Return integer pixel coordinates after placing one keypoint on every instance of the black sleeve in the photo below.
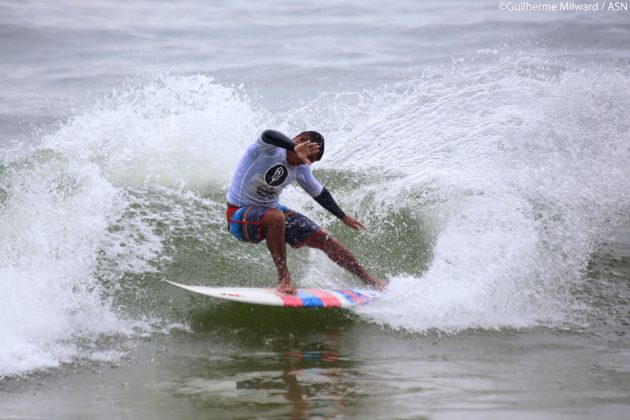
(326, 200)
(278, 139)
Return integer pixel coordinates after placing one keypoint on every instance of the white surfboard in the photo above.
(305, 298)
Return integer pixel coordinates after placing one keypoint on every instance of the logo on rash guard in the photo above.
(265, 193)
(276, 175)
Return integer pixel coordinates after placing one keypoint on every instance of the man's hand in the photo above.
(306, 149)
(352, 223)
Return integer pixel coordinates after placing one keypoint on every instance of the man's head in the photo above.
(313, 137)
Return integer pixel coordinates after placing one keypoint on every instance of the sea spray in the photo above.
(485, 187)
(82, 209)
(516, 171)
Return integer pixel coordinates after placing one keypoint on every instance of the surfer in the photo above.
(254, 211)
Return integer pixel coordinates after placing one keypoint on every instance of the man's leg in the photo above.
(342, 256)
(273, 226)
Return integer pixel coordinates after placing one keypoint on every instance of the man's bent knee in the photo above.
(274, 217)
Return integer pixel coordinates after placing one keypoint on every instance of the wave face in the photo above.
(80, 214)
(486, 187)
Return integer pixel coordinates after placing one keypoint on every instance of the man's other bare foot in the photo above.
(287, 287)
(377, 284)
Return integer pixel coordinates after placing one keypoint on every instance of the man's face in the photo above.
(301, 138)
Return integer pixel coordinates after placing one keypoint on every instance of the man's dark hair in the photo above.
(315, 137)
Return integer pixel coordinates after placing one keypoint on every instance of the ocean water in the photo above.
(487, 152)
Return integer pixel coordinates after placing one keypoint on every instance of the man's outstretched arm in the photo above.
(326, 200)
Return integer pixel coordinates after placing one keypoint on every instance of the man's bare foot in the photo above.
(287, 287)
(376, 283)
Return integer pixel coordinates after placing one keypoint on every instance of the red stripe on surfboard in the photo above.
(356, 298)
(328, 299)
(289, 300)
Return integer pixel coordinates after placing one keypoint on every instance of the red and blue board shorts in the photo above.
(245, 224)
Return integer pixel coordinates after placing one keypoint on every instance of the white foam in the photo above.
(516, 170)
(511, 172)
(54, 219)
(74, 220)
(173, 131)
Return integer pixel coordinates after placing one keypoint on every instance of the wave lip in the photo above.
(518, 171)
(81, 212)
(509, 172)
(54, 216)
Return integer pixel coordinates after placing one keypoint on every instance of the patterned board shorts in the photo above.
(245, 224)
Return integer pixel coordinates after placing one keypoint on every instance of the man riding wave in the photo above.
(254, 211)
